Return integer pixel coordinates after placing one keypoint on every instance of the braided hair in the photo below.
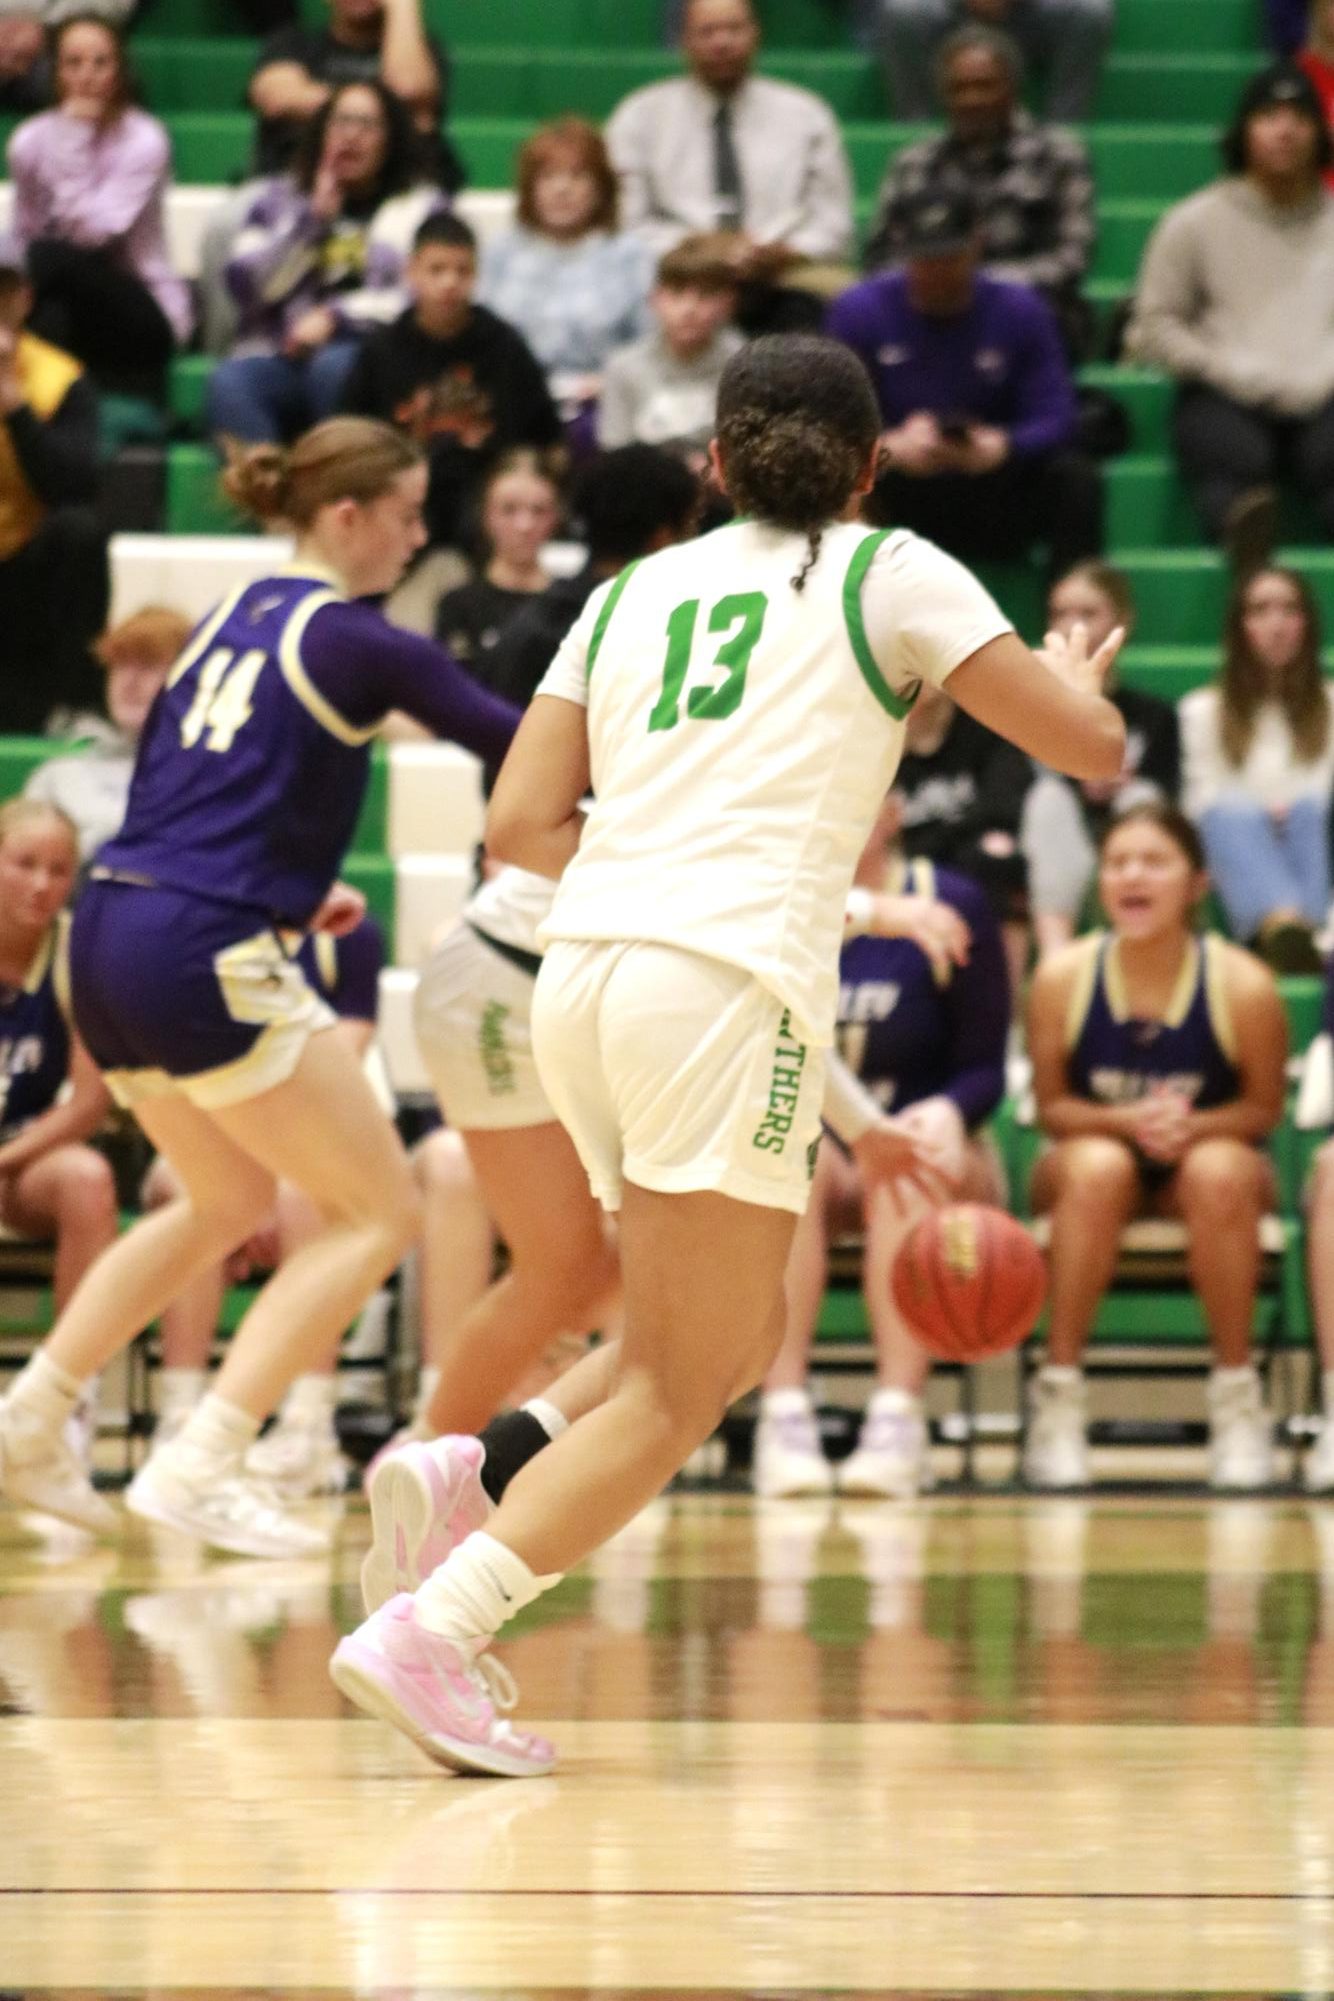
(797, 423)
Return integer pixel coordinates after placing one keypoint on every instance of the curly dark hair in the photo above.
(402, 166)
(797, 424)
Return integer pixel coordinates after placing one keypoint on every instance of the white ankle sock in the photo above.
(217, 1435)
(1062, 1375)
(552, 1421)
(895, 1400)
(785, 1403)
(312, 1399)
(45, 1393)
(476, 1589)
(179, 1389)
(426, 1383)
(1225, 1377)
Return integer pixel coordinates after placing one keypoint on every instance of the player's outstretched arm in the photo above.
(1049, 703)
(533, 819)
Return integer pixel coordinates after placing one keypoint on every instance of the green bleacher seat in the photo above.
(186, 384)
(195, 505)
(373, 875)
(19, 758)
(1303, 1003)
(372, 829)
(194, 73)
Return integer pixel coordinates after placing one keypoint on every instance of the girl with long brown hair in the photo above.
(1258, 760)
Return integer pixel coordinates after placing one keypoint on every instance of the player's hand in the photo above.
(935, 928)
(341, 911)
(891, 1159)
(1067, 656)
(941, 1136)
(982, 451)
(1162, 1126)
(915, 447)
(310, 331)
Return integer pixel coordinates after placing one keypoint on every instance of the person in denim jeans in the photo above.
(1258, 759)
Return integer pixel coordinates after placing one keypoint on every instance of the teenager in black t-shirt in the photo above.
(457, 378)
(520, 512)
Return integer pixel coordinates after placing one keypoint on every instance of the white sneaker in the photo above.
(1318, 1464)
(892, 1461)
(301, 1461)
(787, 1459)
(1056, 1453)
(39, 1469)
(233, 1511)
(1241, 1443)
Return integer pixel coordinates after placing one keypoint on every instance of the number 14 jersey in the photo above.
(742, 736)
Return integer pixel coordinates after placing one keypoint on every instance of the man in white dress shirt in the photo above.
(723, 148)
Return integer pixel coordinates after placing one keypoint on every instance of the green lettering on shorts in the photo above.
(494, 1050)
(771, 1134)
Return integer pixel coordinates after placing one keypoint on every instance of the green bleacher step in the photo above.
(373, 875)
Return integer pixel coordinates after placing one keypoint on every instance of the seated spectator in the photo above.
(90, 785)
(1235, 301)
(520, 512)
(364, 41)
(90, 180)
(320, 259)
(977, 399)
(52, 1184)
(300, 1454)
(1064, 819)
(1318, 1464)
(924, 1035)
(1258, 762)
(455, 376)
(961, 792)
(1316, 59)
(1065, 40)
(663, 389)
(573, 285)
(1031, 185)
(1158, 1064)
(54, 580)
(724, 149)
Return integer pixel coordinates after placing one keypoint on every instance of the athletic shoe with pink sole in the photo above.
(450, 1705)
(424, 1500)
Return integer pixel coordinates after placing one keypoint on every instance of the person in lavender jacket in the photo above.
(89, 183)
(319, 260)
(977, 399)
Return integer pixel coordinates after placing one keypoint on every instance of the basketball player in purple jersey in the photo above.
(249, 781)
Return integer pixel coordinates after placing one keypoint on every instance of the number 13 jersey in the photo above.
(742, 736)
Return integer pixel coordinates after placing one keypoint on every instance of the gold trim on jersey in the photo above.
(326, 957)
(1183, 993)
(1084, 988)
(1216, 996)
(206, 634)
(300, 683)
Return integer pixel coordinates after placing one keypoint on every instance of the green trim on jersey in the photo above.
(862, 558)
(609, 604)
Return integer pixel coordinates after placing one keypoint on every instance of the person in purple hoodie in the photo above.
(978, 451)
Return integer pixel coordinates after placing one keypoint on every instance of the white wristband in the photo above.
(858, 912)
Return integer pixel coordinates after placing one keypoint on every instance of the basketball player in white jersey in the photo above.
(737, 706)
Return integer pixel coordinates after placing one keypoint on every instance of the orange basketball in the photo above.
(970, 1282)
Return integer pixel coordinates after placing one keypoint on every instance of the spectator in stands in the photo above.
(52, 1184)
(724, 149)
(25, 66)
(322, 256)
(1158, 1064)
(364, 41)
(520, 512)
(1236, 300)
(961, 792)
(923, 1033)
(91, 784)
(1258, 759)
(663, 389)
(1031, 184)
(1317, 61)
(454, 375)
(1064, 819)
(626, 503)
(977, 398)
(90, 179)
(572, 283)
(54, 582)
(1064, 39)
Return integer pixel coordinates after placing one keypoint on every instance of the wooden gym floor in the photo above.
(981, 1747)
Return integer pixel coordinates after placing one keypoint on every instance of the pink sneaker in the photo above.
(424, 1500)
(395, 1668)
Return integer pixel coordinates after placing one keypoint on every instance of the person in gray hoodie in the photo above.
(1236, 300)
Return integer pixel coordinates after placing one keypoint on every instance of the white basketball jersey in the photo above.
(511, 905)
(742, 735)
